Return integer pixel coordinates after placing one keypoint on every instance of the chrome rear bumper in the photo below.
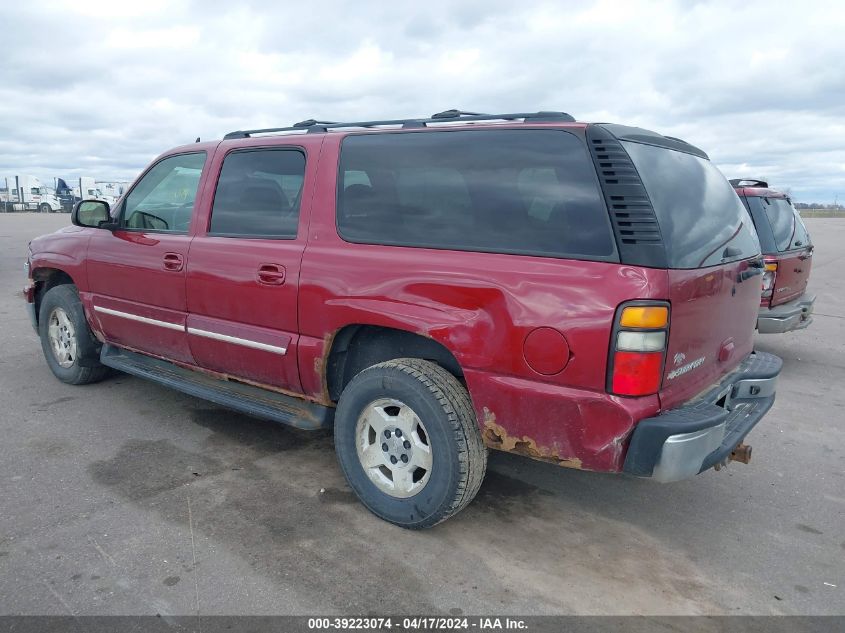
(685, 441)
(795, 315)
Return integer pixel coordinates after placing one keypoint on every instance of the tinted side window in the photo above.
(258, 194)
(701, 219)
(531, 192)
(163, 200)
(782, 220)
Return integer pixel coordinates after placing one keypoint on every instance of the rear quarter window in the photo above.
(787, 227)
(531, 192)
(702, 221)
(801, 239)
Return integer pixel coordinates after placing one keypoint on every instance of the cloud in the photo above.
(98, 88)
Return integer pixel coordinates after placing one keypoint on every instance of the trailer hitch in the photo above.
(740, 453)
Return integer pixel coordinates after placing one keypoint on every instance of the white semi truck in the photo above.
(26, 193)
(90, 189)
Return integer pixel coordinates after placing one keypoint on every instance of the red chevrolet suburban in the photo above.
(582, 294)
(785, 304)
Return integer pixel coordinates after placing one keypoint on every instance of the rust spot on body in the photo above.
(496, 437)
(321, 363)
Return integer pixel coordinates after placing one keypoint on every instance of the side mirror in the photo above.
(91, 213)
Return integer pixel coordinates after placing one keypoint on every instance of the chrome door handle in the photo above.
(271, 274)
(173, 261)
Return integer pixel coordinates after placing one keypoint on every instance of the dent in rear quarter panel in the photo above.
(567, 427)
(481, 307)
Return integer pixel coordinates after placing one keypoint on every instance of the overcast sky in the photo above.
(99, 88)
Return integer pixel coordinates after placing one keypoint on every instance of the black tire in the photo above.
(442, 404)
(85, 366)
(45, 208)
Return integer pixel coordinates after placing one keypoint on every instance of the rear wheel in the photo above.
(408, 442)
(71, 351)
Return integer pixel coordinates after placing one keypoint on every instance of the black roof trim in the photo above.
(639, 135)
(749, 182)
(312, 125)
(635, 226)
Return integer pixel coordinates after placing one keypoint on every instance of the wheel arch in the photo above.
(46, 278)
(357, 346)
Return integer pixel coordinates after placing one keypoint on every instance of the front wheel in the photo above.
(70, 348)
(408, 442)
(45, 208)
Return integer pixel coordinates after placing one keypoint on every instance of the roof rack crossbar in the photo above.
(312, 125)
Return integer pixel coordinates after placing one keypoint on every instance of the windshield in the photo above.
(702, 220)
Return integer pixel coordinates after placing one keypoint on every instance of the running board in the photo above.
(239, 396)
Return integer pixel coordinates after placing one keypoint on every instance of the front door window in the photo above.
(164, 198)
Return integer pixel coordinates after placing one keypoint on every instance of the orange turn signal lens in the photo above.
(771, 266)
(645, 316)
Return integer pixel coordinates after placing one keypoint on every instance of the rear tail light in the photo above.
(640, 341)
(769, 276)
(638, 349)
(644, 316)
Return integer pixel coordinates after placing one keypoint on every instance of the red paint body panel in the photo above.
(225, 283)
(241, 361)
(589, 429)
(156, 340)
(793, 275)
(127, 273)
(710, 308)
(142, 273)
(546, 351)
(64, 250)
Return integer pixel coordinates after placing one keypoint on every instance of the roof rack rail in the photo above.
(749, 182)
(452, 114)
(314, 126)
(312, 123)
